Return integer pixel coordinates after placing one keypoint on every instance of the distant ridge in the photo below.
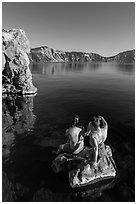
(46, 54)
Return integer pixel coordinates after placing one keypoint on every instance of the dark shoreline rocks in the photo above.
(16, 75)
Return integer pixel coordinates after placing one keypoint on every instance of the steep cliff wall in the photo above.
(16, 75)
(46, 54)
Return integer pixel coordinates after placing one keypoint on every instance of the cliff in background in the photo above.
(46, 54)
(124, 57)
(16, 75)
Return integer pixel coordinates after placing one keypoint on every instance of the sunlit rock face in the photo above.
(16, 75)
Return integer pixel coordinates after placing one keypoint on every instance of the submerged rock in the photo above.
(81, 170)
(16, 75)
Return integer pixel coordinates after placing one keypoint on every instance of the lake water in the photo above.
(34, 126)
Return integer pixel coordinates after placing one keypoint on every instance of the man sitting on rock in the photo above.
(75, 143)
(97, 133)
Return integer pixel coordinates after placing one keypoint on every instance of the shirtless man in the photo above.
(97, 131)
(75, 143)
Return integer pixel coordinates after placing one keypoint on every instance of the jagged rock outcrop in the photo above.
(46, 54)
(16, 75)
(81, 170)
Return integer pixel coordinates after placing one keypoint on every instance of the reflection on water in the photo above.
(29, 139)
(18, 119)
(126, 69)
(94, 67)
(62, 68)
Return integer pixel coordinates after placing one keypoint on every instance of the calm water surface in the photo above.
(34, 126)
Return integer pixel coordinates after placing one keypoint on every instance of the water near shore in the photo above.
(34, 126)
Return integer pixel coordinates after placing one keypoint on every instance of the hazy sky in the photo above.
(105, 28)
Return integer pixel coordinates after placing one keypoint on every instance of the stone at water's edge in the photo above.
(81, 173)
(16, 75)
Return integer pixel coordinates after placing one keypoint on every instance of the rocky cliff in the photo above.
(16, 75)
(124, 57)
(46, 54)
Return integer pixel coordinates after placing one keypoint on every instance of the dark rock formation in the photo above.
(16, 75)
(46, 54)
(81, 170)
